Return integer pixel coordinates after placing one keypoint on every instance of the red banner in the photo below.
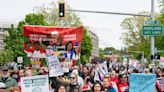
(41, 42)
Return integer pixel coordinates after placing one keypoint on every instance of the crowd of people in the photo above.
(83, 78)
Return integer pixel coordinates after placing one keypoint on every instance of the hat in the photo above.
(5, 68)
(75, 72)
(107, 75)
(72, 75)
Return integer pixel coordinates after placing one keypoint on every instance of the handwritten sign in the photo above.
(54, 66)
(35, 84)
(142, 82)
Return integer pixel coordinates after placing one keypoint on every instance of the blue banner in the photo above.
(140, 82)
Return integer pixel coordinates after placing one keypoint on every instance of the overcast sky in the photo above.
(107, 27)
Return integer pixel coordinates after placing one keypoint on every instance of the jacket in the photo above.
(10, 82)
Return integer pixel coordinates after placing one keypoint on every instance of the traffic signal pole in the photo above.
(152, 41)
(114, 13)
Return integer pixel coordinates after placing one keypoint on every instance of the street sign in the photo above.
(20, 59)
(151, 22)
(152, 30)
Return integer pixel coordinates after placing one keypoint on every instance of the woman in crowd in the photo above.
(114, 77)
(97, 87)
(15, 72)
(73, 86)
(159, 77)
(61, 88)
(123, 85)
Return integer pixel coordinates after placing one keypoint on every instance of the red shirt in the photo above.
(158, 86)
(116, 80)
(122, 87)
(19, 84)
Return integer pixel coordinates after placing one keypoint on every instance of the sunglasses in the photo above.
(5, 70)
(72, 77)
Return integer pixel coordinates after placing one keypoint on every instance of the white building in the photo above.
(95, 45)
(3, 31)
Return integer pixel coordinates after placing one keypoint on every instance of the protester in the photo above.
(85, 72)
(61, 88)
(79, 78)
(146, 71)
(87, 85)
(159, 76)
(97, 87)
(6, 79)
(114, 77)
(21, 74)
(14, 89)
(28, 73)
(123, 85)
(73, 86)
(106, 85)
(14, 74)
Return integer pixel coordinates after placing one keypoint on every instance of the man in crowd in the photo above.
(6, 79)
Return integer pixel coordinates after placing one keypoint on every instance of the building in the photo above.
(95, 45)
(3, 31)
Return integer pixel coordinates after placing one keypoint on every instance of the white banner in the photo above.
(35, 84)
(54, 66)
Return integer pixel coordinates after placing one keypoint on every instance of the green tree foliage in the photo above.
(107, 50)
(159, 41)
(132, 38)
(101, 53)
(86, 45)
(14, 40)
(50, 11)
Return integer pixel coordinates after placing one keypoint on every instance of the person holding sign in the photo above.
(159, 82)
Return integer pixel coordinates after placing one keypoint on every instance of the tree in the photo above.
(132, 38)
(107, 50)
(86, 45)
(14, 41)
(101, 53)
(50, 11)
(159, 39)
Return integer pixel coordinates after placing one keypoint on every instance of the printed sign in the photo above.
(35, 84)
(54, 66)
(41, 42)
(142, 82)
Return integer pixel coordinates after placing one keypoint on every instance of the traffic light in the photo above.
(157, 56)
(61, 9)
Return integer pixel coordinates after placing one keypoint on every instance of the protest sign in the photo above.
(142, 82)
(161, 82)
(54, 66)
(41, 42)
(35, 84)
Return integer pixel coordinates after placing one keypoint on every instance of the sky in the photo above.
(106, 26)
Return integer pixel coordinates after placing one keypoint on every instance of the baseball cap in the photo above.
(4, 68)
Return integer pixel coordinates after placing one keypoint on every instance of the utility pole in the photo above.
(152, 42)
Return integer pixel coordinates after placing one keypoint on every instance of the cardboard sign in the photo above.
(140, 82)
(54, 66)
(35, 84)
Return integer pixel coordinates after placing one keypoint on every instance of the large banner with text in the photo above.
(40, 42)
(142, 82)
